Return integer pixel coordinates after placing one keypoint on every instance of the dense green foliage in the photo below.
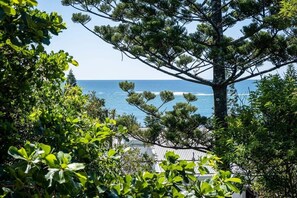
(61, 142)
(25, 66)
(261, 138)
(41, 172)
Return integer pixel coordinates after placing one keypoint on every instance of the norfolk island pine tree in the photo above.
(157, 34)
(160, 35)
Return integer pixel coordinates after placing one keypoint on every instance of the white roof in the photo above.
(185, 154)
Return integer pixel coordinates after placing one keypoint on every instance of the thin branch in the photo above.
(146, 141)
(208, 19)
(265, 71)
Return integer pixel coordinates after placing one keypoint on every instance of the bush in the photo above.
(261, 138)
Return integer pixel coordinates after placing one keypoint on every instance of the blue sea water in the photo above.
(115, 98)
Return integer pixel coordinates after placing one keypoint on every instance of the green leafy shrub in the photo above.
(260, 139)
(39, 171)
(25, 66)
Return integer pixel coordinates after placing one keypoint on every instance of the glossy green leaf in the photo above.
(51, 160)
(111, 152)
(147, 175)
(45, 148)
(64, 158)
(205, 188)
(82, 178)
(7, 8)
(192, 177)
(74, 62)
(177, 179)
(233, 179)
(190, 165)
(14, 152)
(76, 120)
(232, 187)
(84, 140)
(32, 2)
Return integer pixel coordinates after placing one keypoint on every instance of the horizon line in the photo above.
(149, 79)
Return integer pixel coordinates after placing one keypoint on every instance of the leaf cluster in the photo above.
(42, 172)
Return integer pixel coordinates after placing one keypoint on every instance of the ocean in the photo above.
(115, 98)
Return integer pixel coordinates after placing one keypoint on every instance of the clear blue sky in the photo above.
(97, 59)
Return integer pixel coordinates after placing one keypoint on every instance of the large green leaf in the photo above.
(51, 160)
(82, 178)
(177, 179)
(235, 180)
(45, 148)
(64, 158)
(9, 10)
(147, 175)
(17, 154)
(232, 187)
(205, 188)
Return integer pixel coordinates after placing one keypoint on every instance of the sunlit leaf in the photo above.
(233, 179)
(51, 160)
(75, 166)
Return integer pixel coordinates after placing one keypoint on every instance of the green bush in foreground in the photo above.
(27, 70)
(84, 161)
(39, 171)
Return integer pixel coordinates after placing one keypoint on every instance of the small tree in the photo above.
(71, 79)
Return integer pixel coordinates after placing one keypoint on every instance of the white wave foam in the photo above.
(154, 92)
(175, 93)
(203, 94)
(179, 93)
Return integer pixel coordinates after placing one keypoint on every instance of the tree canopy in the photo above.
(25, 66)
(232, 40)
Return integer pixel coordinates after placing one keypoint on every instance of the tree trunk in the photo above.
(219, 71)
(220, 104)
(219, 76)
